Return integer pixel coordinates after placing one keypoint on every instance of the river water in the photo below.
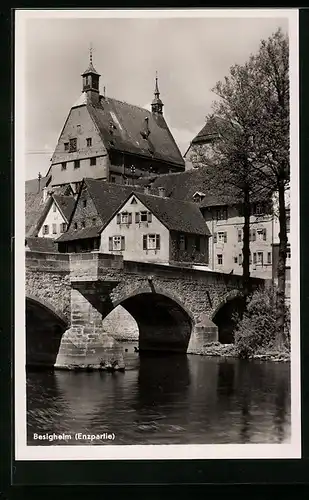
(163, 399)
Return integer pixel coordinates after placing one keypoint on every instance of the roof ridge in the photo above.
(127, 103)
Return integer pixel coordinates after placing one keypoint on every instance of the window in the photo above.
(124, 218)
(221, 214)
(222, 237)
(79, 129)
(84, 203)
(133, 202)
(182, 242)
(239, 235)
(116, 243)
(73, 145)
(143, 217)
(89, 142)
(151, 242)
(197, 243)
(54, 208)
(64, 165)
(63, 227)
(93, 161)
(66, 146)
(45, 229)
(219, 259)
(260, 258)
(76, 163)
(268, 257)
(75, 225)
(240, 259)
(252, 235)
(54, 228)
(261, 233)
(113, 178)
(288, 252)
(83, 223)
(235, 260)
(254, 258)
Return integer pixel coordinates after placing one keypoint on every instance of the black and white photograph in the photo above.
(157, 234)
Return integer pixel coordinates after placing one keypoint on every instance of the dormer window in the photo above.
(66, 146)
(198, 196)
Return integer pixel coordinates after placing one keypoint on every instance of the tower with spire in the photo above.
(157, 104)
(91, 82)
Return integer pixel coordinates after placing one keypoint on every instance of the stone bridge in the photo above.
(68, 296)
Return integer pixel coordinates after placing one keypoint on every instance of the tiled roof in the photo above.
(41, 245)
(183, 186)
(176, 215)
(32, 185)
(80, 234)
(65, 204)
(107, 197)
(34, 207)
(210, 130)
(120, 125)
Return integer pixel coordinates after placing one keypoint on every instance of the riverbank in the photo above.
(229, 351)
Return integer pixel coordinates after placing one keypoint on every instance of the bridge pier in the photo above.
(203, 332)
(85, 345)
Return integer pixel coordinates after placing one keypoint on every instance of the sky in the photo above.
(189, 54)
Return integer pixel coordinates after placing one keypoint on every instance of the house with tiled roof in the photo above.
(139, 226)
(222, 212)
(52, 218)
(105, 138)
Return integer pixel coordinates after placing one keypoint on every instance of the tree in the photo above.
(252, 155)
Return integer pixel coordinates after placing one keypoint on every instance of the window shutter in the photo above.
(157, 241)
(123, 241)
(253, 234)
(145, 242)
(137, 217)
(110, 243)
(130, 218)
(225, 237)
(215, 237)
(118, 218)
(264, 234)
(149, 216)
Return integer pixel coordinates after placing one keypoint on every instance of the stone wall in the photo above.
(121, 325)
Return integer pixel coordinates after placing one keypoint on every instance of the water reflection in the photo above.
(164, 399)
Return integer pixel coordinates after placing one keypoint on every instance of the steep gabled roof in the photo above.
(65, 204)
(176, 215)
(120, 125)
(32, 185)
(210, 130)
(35, 209)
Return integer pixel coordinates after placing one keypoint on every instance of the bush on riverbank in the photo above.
(256, 332)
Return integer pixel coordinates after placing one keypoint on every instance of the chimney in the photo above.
(147, 189)
(161, 192)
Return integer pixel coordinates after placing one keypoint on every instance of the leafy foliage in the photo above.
(257, 330)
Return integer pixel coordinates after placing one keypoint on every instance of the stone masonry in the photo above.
(172, 306)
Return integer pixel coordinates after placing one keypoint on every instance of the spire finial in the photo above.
(90, 52)
(156, 92)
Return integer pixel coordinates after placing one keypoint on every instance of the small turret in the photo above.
(91, 82)
(157, 104)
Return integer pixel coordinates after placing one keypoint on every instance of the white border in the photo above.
(217, 451)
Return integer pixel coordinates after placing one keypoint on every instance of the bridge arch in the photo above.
(44, 329)
(223, 316)
(163, 321)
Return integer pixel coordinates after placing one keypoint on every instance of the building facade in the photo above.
(141, 227)
(104, 138)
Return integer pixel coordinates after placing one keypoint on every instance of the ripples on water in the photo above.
(164, 399)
